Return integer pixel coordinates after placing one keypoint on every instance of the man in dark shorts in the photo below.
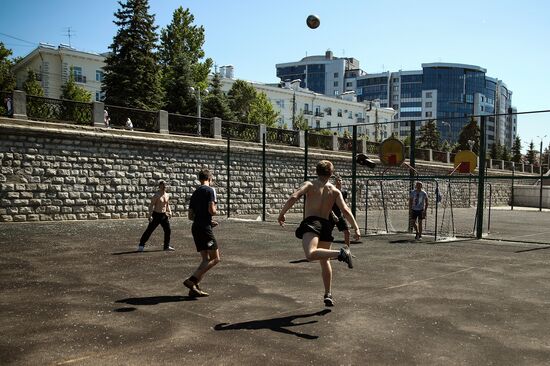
(201, 209)
(316, 229)
(338, 218)
(418, 205)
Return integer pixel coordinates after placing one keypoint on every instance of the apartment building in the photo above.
(53, 64)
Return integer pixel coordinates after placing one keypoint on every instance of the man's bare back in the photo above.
(320, 197)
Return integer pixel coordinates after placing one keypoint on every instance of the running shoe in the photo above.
(329, 301)
(345, 256)
(140, 248)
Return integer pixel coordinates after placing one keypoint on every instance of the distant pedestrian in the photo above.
(9, 106)
(201, 209)
(418, 206)
(159, 213)
(129, 125)
(106, 118)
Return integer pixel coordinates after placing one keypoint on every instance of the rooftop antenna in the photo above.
(68, 34)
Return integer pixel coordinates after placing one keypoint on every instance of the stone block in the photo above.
(19, 218)
(6, 218)
(44, 217)
(33, 217)
(82, 216)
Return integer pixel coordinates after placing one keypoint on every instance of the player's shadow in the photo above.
(155, 300)
(351, 242)
(276, 324)
(138, 252)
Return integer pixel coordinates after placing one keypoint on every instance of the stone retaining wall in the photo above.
(61, 172)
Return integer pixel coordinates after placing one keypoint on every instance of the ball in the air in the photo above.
(313, 21)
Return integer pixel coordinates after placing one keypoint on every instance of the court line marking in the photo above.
(429, 279)
(526, 235)
(73, 360)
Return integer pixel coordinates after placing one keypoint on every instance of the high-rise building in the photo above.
(445, 92)
(326, 74)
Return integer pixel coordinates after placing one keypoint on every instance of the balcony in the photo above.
(360, 120)
(308, 112)
(319, 114)
(80, 79)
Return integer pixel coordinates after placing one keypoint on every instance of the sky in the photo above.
(506, 37)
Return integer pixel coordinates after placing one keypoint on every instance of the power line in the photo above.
(20, 39)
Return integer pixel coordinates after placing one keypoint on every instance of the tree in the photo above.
(32, 86)
(180, 52)
(496, 150)
(72, 91)
(445, 146)
(531, 153)
(7, 78)
(516, 150)
(132, 74)
(429, 136)
(262, 112)
(300, 122)
(505, 154)
(241, 95)
(216, 103)
(470, 132)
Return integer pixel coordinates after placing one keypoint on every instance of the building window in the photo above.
(395, 107)
(395, 80)
(77, 74)
(335, 74)
(350, 115)
(329, 124)
(429, 95)
(395, 97)
(335, 83)
(99, 75)
(396, 88)
(349, 84)
(339, 113)
(318, 125)
(428, 114)
(428, 105)
(396, 125)
(368, 119)
(328, 111)
(336, 92)
(339, 127)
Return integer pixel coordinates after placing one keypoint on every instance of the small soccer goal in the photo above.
(451, 214)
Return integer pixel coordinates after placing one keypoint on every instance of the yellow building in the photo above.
(53, 64)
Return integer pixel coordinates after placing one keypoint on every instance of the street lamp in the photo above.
(199, 105)
(541, 173)
(294, 101)
(449, 135)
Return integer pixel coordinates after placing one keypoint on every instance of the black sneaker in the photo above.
(345, 256)
(196, 292)
(189, 284)
(169, 249)
(329, 301)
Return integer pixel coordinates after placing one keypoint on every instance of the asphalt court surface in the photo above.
(77, 293)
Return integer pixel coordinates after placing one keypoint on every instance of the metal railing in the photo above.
(240, 131)
(59, 110)
(440, 156)
(345, 144)
(317, 140)
(142, 120)
(281, 136)
(180, 124)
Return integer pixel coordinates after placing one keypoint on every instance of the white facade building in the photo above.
(53, 64)
(321, 111)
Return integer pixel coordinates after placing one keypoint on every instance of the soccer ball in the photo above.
(313, 21)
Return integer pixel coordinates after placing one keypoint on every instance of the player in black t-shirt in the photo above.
(201, 209)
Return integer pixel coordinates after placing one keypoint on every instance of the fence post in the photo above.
(522, 168)
(216, 128)
(364, 145)
(262, 130)
(19, 104)
(430, 155)
(301, 141)
(334, 142)
(163, 122)
(98, 118)
(448, 159)
(502, 165)
(490, 163)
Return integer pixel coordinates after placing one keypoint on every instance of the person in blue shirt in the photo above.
(418, 206)
(202, 207)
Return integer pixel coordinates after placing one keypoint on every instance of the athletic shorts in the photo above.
(417, 214)
(317, 225)
(204, 238)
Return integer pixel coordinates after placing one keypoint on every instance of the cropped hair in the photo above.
(204, 175)
(324, 168)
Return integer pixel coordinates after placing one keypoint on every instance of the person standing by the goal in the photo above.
(418, 206)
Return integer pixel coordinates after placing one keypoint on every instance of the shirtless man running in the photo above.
(316, 229)
(159, 213)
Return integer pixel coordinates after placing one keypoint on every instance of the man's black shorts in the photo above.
(317, 225)
(204, 238)
(417, 214)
